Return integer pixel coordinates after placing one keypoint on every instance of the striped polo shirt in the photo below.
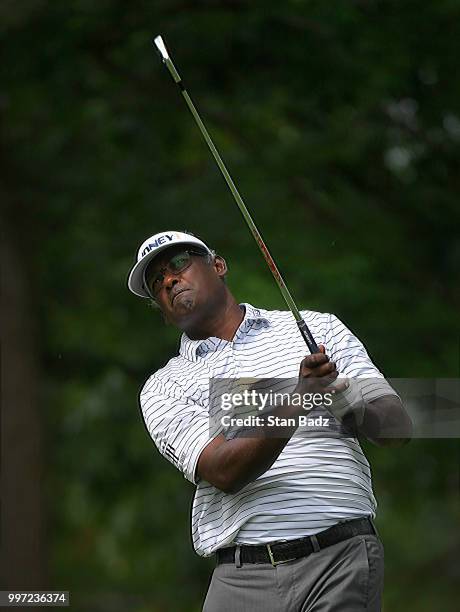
(314, 483)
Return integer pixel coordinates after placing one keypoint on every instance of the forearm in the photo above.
(385, 422)
(233, 463)
(242, 460)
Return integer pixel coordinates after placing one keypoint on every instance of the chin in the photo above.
(188, 304)
(183, 305)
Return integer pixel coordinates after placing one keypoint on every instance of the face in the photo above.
(186, 298)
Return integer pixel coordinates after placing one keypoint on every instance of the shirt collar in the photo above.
(189, 348)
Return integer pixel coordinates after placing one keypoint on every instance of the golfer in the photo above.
(289, 515)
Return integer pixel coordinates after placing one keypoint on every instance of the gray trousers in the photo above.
(345, 577)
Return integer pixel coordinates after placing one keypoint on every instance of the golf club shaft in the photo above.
(303, 328)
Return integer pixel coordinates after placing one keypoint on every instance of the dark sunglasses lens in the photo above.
(176, 264)
(179, 262)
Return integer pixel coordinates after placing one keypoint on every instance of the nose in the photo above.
(170, 279)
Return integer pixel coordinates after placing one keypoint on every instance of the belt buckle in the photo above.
(272, 558)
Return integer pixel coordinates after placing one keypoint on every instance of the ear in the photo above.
(220, 266)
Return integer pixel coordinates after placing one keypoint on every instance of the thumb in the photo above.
(322, 349)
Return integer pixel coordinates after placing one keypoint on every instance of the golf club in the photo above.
(303, 328)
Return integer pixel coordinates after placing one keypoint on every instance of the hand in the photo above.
(317, 375)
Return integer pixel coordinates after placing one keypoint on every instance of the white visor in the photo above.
(150, 249)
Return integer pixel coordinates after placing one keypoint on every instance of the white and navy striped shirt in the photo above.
(314, 483)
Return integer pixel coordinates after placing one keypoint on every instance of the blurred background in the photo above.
(340, 122)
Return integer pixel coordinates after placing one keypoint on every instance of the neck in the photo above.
(222, 323)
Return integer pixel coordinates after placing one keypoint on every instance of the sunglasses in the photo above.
(177, 264)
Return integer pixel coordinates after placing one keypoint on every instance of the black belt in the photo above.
(281, 552)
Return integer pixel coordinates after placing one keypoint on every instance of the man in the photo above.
(287, 515)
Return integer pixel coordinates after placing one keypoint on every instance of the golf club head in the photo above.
(161, 48)
(166, 59)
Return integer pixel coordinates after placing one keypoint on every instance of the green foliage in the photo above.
(341, 123)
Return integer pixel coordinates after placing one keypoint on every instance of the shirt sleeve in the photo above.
(352, 360)
(178, 427)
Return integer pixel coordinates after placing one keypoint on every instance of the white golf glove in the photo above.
(348, 400)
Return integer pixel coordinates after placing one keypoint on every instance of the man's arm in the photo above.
(229, 465)
(385, 422)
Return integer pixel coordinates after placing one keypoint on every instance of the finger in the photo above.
(322, 349)
(329, 380)
(324, 369)
(313, 361)
(322, 384)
